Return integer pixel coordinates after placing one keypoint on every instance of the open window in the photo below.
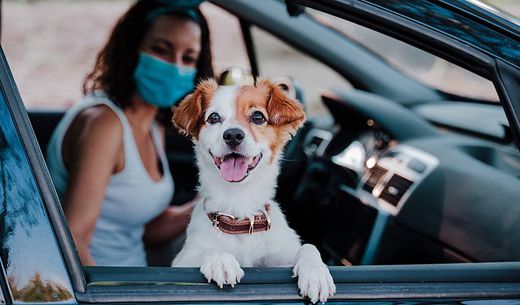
(382, 181)
(379, 185)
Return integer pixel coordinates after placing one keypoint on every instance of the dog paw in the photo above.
(223, 268)
(314, 279)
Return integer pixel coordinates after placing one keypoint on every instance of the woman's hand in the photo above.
(169, 224)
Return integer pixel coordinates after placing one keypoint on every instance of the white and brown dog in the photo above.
(239, 134)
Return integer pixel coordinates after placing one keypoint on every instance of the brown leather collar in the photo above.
(231, 225)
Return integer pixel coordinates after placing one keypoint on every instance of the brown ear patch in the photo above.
(285, 115)
(283, 110)
(188, 116)
(287, 86)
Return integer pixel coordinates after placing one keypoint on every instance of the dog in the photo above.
(239, 133)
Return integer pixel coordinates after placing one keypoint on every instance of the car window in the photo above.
(353, 232)
(375, 147)
(278, 59)
(29, 250)
(416, 63)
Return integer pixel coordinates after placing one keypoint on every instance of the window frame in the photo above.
(4, 288)
(413, 282)
(504, 75)
(247, 35)
(285, 31)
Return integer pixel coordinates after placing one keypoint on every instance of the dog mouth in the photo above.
(235, 167)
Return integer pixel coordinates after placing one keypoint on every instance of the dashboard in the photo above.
(393, 175)
(385, 186)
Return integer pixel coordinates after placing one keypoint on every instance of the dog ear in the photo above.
(287, 86)
(188, 116)
(284, 110)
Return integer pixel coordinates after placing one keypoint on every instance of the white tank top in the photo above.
(132, 197)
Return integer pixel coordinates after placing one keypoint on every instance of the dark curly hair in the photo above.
(116, 62)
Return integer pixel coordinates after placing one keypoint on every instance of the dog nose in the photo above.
(233, 136)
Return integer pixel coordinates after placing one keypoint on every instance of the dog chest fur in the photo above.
(251, 250)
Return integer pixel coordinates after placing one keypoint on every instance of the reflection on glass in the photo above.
(28, 248)
(2, 299)
(38, 290)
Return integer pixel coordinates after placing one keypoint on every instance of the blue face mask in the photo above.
(161, 83)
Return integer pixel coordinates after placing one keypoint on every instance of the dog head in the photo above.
(238, 129)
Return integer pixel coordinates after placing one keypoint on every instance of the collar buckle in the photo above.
(252, 225)
(216, 215)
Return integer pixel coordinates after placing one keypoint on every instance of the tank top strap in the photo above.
(100, 98)
(130, 150)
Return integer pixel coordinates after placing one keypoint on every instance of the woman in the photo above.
(106, 156)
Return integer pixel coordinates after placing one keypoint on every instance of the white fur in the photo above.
(220, 255)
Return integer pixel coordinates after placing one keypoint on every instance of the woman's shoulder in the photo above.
(99, 126)
(96, 132)
(100, 118)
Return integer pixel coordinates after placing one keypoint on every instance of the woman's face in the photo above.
(175, 39)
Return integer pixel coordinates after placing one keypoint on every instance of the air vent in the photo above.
(395, 189)
(376, 173)
(316, 142)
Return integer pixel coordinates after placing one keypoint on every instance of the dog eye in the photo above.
(258, 118)
(214, 118)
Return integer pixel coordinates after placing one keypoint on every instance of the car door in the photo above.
(37, 250)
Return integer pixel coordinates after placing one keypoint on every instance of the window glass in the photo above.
(277, 59)
(420, 65)
(29, 252)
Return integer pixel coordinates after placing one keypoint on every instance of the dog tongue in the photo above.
(234, 169)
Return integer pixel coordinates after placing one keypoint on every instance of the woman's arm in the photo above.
(169, 223)
(92, 148)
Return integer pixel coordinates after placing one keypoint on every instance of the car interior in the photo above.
(392, 171)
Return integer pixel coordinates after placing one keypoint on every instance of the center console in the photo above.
(393, 175)
(351, 196)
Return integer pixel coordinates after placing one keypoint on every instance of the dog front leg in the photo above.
(221, 267)
(314, 279)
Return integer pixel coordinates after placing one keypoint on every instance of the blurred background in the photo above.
(52, 44)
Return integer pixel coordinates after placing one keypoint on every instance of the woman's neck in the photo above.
(141, 114)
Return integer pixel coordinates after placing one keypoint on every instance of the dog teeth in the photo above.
(218, 161)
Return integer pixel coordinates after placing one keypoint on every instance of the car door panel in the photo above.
(44, 122)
